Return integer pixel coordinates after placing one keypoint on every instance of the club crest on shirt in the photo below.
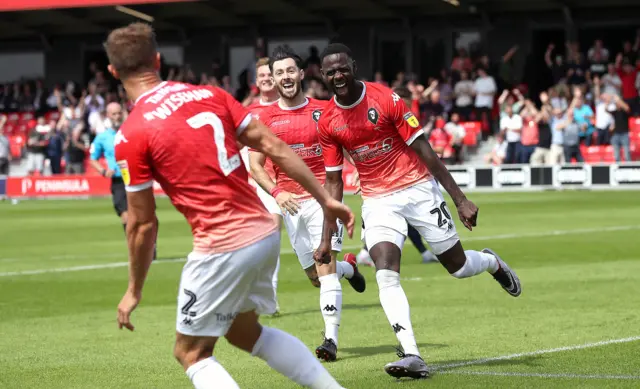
(373, 115)
(316, 115)
(412, 120)
(124, 171)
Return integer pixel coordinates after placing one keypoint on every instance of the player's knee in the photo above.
(312, 274)
(452, 258)
(188, 355)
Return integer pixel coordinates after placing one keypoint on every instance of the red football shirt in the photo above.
(298, 127)
(439, 138)
(377, 131)
(256, 110)
(184, 137)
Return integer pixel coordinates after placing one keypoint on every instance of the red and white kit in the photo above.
(185, 138)
(297, 127)
(377, 131)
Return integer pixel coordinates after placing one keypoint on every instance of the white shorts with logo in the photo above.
(268, 201)
(305, 231)
(214, 288)
(421, 205)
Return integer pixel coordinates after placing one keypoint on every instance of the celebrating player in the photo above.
(413, 234)
(294, 120)
(396, 165)
(268, 96)
(185, 138)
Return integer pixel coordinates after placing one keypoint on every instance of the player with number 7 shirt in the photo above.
(186, 137)
(397, 169)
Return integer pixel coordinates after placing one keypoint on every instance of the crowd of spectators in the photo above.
(592, 97)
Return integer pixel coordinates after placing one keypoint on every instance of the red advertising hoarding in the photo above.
(23, 5)
(89, 186)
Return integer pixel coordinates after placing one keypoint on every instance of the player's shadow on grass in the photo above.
(344, 307)
(361, 352)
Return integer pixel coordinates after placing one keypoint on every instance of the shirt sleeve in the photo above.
(96, 149)
(331, 150)
(240, 116)
(134, 160)
(404, 120)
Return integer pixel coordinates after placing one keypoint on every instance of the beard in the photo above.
(290, 93)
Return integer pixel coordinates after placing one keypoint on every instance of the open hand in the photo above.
(287, 202)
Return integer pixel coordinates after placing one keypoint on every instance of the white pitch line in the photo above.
(350, 247)
(546, 375)
(538, 352)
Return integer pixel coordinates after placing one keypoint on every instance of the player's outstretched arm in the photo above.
(257, 136)
(256, 164)
(141, 235)
(467, 211)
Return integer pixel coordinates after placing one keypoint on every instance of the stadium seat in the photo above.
(25, 117)
(9, 128)
(13, 118)
(53, 115)
(634, 125)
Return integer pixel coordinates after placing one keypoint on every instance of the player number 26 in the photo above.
(227, 164)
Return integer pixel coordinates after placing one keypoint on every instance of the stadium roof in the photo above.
(207, 14)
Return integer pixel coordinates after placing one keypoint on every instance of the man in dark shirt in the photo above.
(620, 137)
(37, 147)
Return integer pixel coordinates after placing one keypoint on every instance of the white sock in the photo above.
(274, 282)
(477, 262)
(331, 305)
(344, 269)
(290, 357)
(208, 374)
(396, 307)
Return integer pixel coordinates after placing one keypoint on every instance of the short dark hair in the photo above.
(284, 52)
(132, 49)
(336, 48)
(403, 92)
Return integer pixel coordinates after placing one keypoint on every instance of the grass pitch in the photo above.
(63, 271)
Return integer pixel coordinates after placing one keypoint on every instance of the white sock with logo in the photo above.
(344, 269)
(477, 262)
(396, 307)
(209, 374)
(290, 357)
(331, 305)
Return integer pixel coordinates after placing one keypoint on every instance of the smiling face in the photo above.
(264, 81)
(288, 78)
(338, 72)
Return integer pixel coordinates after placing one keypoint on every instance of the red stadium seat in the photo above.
(21, 129)
(26, 116)
(9, 128)
(54, 115)
(634, 125)
(13, 118)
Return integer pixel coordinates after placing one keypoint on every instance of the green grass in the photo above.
(580, 285)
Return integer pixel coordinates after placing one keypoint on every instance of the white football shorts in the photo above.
(214, 288)
(305, 231)
(422, 205)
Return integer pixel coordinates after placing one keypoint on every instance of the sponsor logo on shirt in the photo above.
(343, 127)
(367, 153)
(304, 152)
(280, 122)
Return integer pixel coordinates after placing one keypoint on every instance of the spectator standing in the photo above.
(556, 152)
(529, 136)
(583, 115)
(77, 150)
(463, 93)
(540, 155)
(558, 97)
(611, 82)
(628, 74)
(598, 51)
(379, 79)
(5, 149)
(604, 119)
(55, 149)
(432, 109)
(446, 91)
(457, 133)
(93, 102)
(485, 89)
(461, 62)
(511, 125)
(557, 66)
(620, 136)
(37, 147)
(571, 135)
